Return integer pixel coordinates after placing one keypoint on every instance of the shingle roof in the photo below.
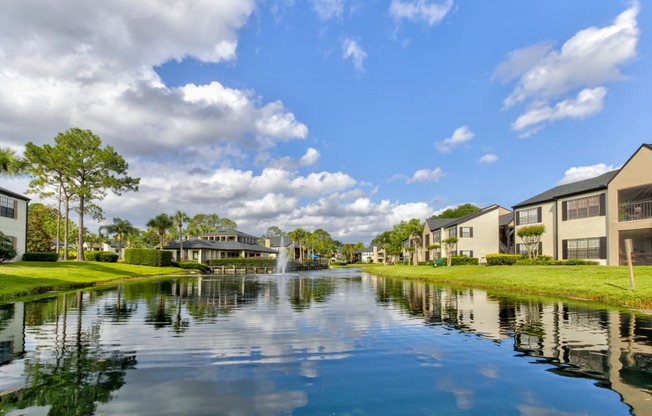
(505, 219)
(219, 245)
(13, 194)
(586, 185)
(437, 223)
(228, 231)
(276, 241)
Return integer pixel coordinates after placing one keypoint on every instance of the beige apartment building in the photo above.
(13, 220)
(592, 218)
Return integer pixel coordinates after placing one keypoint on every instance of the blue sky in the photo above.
(344, 115)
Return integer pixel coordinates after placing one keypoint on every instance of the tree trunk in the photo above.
(80, 233)
(65, 230)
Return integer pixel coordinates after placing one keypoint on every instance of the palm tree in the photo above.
(162, 223)
(119, 227)
(179, 218)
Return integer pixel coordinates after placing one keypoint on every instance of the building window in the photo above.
(529, 216)
(452, 232)
(7, 207)
(590, 206)
(466, 253)
(436, 236)
(466, 232)
(584, 248)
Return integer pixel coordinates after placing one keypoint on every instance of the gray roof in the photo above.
(437, 223)
(276, 241)
(505, 219)
(569, 189)
(219, 245)
(229, 231)
(13, 194)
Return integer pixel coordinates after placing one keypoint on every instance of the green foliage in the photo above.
(11, 164)
(191, 265)
(7, 250)
(531, 230)
(148, 257)
(36, 256)
(107, 257)
(464, 261)
(500, 259)
(458, 212)
(92, 255)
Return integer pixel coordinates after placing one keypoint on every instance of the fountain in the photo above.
(281, 258)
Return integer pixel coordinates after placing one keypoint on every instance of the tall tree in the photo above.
(120, 228)
(180, 218)
(300, 236)
(11, 163)
(41, 224)
(323, 243)
(89, 171)
(161, 223)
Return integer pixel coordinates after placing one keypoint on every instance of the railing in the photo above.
(633, 211)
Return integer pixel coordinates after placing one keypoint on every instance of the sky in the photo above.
(345, 115)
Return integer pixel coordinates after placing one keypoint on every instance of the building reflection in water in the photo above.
(611, 347)
(12, 331)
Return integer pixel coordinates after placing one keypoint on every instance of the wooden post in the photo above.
(628, 250)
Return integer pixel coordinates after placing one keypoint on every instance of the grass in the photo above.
(604, 284)
(32, 278)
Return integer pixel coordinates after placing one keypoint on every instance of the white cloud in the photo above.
(310, 157)
(586, 61)
(587, 103)
(328, 9)
(579, 173)
(460, 136)
(352, 50)
(431, 12)
(426, 175)
(99, 74)
(488, 159)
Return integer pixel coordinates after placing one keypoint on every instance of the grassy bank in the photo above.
(606, 284)
(31, 278)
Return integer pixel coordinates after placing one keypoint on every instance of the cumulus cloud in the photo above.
(488, 159)
(460, 136)
(579, 173)
(586, 61)
(328, 9)
(426, 175)
(99, 74)
(430, 12)
(587, 103)
(352, 50)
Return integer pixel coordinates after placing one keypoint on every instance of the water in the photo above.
(326, 343)
(281, 258)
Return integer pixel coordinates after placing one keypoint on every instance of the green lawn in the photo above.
(605, 284)
(31, 278)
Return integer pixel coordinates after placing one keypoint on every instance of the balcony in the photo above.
(637, 210)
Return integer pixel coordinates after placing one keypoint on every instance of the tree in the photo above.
(180, 218)
(323, 243)
(300, 236)
(7, 250)
(386, 241)
(273, 232)
(162, 223)
(87, 170)
(449, 244)
(119, 228)
(531, 237)
(41, 223)
(11, 164)
(348, 251)
(458, 212)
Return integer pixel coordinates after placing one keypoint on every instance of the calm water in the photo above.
(327, 343)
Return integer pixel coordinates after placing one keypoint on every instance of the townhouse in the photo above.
(13, 220)
(592, 218)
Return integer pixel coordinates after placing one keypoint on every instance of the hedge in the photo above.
(107, 257)
(148, 257)
(243, 262)
(191, 265)
(464, 261)
(92, 255)
(502, 259)
(35, 256)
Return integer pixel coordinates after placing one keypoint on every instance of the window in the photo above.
(591, 206)
(528, 216)
(466, 232)
(7, 207)
(466, 253)
(584, 248)
(452, 232)
(436, 236)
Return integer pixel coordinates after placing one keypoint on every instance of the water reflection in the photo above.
(328, 342)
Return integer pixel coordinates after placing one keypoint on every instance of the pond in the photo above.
(334, 342)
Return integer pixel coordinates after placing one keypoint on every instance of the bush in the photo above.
(92, 255)
(244, 262)
(148, 257)
(464, 261)
(579, 262)
(107, 257)
(34, 256)
(191, 265)
(502, 259)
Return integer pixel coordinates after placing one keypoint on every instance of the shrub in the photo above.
(425, 263)
(107, 257)
(502, 259)
(148, 257)
(191, 265)
(464, 261)
(92, 255)
(34, 256)
(244, 262)
(580, 262)
(7, 250)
